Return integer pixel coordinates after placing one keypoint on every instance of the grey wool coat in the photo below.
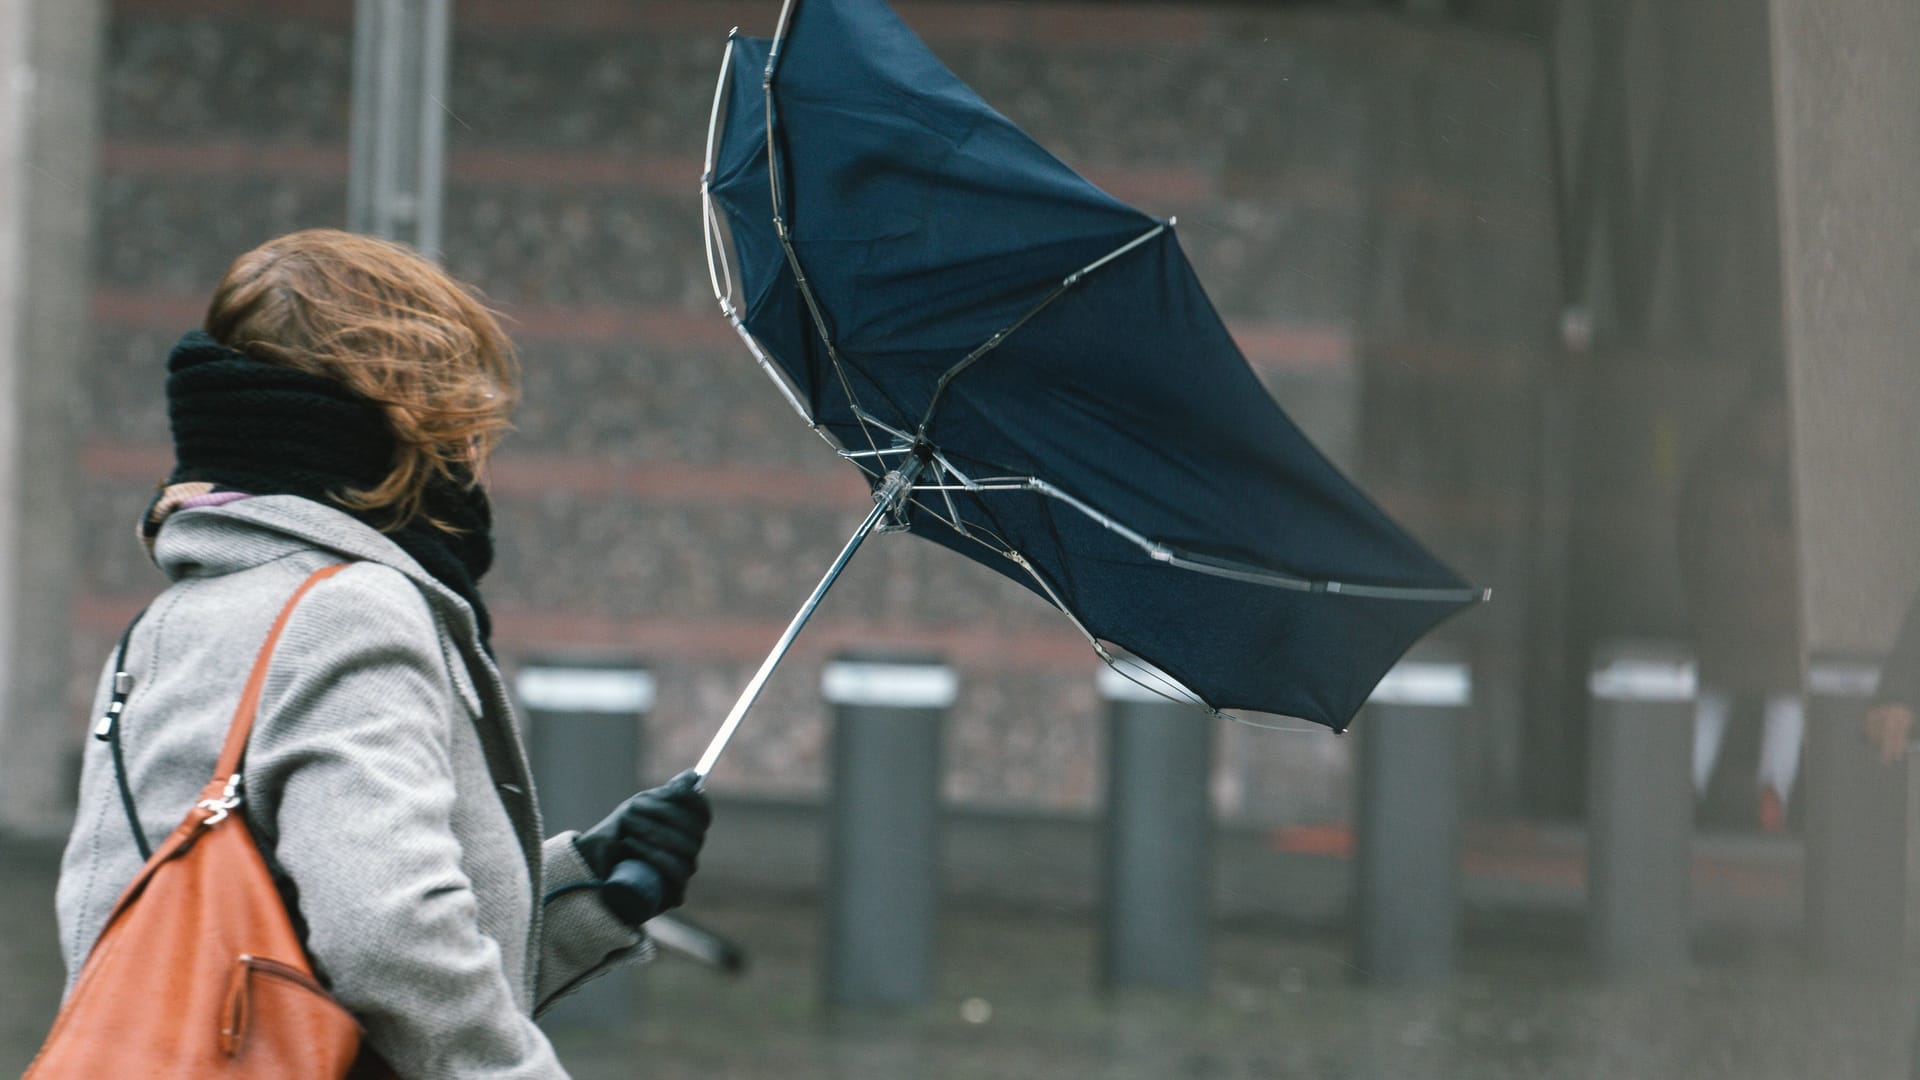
(384, 780)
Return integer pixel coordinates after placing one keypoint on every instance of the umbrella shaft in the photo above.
(894, 491)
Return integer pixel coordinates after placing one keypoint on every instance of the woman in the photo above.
(338, 408)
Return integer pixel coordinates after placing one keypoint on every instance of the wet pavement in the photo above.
(1015, 999)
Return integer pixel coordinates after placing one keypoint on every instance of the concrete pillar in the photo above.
(1849, 215)
(583, 739)
(49, 77)
(883, 828)
(1856, 828)
(1640, 808)
(1159, 822)
(398, 130)
(1407, 892)
(1850, 241)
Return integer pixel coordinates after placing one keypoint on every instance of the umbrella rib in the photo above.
(966, 483)
(1147, 671)
(1256, 576)
(820, 327)
(712, 231)
(1205, 564)
(766, 364)
(866, 417)
(780, 225)
(946, 494)
(1010, 552)
(1053, 598)
(999, 545)
(779, 36)
(1106, 656)
(1001, 335)
(939, 460)
(718, 268)
(1003, 548)
(806, 289)
(1184, 695)
(716, 246)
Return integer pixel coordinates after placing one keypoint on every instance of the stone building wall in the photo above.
(1360, 194)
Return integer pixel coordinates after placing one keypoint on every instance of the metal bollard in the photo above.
(1640, 808)
(883, 827)
(1159, 821)
(1407, 893)
(1856, 828)
(583, 737)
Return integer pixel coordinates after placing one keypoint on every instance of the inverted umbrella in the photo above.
(1029, 373)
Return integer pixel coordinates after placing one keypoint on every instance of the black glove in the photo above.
(663, 828)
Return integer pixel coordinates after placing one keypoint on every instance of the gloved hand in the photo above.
(662, 827)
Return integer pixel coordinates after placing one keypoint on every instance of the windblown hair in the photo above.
(388, 324)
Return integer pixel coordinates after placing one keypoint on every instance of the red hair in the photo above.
(388, 324)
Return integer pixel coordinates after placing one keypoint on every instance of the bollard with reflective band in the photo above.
(1856, 827)
(1407, 888)
(1159, 826)
(583, 737)
(883, 830)
(1640, 808)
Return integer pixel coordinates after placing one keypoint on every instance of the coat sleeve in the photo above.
(353, 746)
(581, 939)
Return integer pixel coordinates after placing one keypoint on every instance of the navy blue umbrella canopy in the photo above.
(949, 293)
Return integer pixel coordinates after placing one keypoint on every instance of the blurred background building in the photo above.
(1540, 274)
(1368, 194)
(1509, 262)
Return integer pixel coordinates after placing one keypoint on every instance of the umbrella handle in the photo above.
(633, 892)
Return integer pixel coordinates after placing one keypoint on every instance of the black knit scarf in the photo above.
(245, 425)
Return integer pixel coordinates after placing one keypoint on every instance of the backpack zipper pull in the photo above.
(122, 686)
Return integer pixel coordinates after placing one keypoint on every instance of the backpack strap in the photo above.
(227, 767)
(108, 731)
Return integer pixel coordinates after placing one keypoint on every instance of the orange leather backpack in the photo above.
(198, 972)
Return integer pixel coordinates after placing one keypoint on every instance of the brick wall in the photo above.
(1358, 192)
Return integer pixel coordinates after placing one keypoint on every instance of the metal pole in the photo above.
(583, 735)
(1408, 884)
(891, 494)
(884, 826)
(633, 885)
(1159, 824)
(50, 83)
(397, 137)
(1640, 808)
